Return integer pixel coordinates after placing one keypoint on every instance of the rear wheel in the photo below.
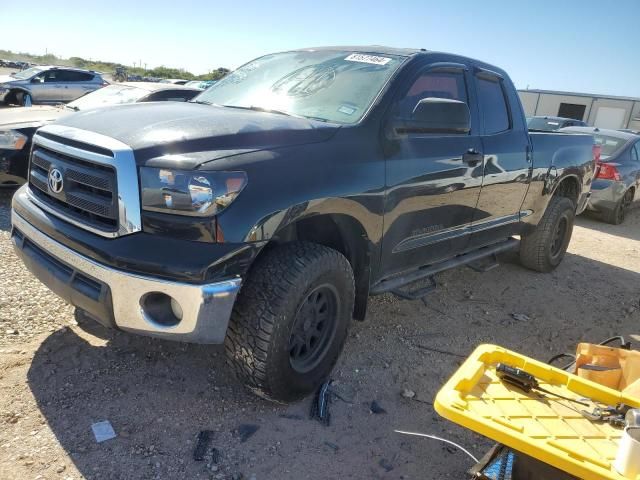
(617, 215)
(544, 248)
(290, 321)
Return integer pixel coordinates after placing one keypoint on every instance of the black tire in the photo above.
(617, 215)
(27, 100)
(24, 99)
(285, 285)
(544, 248)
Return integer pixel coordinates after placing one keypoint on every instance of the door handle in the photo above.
(472, 156)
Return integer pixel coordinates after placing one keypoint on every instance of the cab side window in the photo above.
(433, 84)
(73, 76)
(51, 76)
(493, 104)
(635, 152)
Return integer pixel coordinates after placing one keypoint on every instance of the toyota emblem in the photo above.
(55, 180)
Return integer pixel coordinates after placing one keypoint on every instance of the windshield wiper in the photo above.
(74, 108)
(257, 108)
(201, 102)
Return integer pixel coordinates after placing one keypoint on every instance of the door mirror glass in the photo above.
(437, 115)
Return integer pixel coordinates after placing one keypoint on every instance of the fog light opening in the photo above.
(161, 309)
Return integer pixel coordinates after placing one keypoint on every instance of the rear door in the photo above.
(506, 163)
(433, 180)
(76, 84)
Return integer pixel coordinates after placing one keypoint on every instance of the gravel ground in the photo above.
(58, 377)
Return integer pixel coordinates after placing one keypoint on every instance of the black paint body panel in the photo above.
(410, 198)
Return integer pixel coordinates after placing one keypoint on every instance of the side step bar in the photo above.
(394, 283)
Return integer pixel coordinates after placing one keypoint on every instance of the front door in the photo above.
(433, 180)
(51, 89)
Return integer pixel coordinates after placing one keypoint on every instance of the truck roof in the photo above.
(403, 52)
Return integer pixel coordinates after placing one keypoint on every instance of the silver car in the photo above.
(616, 185)
(48, 84)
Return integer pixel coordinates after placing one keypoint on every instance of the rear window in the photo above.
(543, 124)
(610, 145)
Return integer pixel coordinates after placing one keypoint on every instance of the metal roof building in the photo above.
(604, 111)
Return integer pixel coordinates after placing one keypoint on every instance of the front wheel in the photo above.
(544, 248)
(24, 99)
(290, 320)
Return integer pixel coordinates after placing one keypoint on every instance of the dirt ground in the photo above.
(57, 377)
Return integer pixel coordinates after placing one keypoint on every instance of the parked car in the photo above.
(263, 213)
(175, 81)
(17, 125)
(203, 84)
(551, 124)
(617, 182)
(48, 84)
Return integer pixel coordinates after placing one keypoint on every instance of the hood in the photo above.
(174, 128)
(25, 116)
(7, 79)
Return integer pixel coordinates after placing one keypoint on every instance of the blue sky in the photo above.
(584, 46)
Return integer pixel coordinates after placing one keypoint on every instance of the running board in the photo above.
(393, 284)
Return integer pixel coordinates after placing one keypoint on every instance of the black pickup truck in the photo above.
(264, 213)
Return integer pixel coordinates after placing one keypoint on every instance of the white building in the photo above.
(597, 110)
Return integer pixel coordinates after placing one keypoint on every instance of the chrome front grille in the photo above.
(89, 192)
(99, 189)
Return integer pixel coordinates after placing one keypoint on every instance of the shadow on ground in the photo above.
(630, 228)
(158, 395)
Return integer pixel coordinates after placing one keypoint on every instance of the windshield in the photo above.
(544, 124)
(337, 86)
(110, 95)
(610, 145)
(28, 73)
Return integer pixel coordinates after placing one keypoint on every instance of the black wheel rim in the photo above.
(559, 236)
(313, 328)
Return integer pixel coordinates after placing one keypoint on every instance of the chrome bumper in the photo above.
(205, 308)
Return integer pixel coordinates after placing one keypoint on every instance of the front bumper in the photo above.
(14, 165)
(115, 298)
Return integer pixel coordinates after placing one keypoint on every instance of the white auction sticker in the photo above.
(375, 60)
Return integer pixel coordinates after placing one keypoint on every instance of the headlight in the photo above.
(192, 193)
(12, 140)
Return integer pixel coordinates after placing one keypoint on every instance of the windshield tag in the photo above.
(346, 110)
(375, 60)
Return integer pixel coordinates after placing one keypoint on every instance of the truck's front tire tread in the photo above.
(262, 318)
(535, 248)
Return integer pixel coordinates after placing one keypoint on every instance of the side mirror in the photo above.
(436, 115)
(37, 80)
